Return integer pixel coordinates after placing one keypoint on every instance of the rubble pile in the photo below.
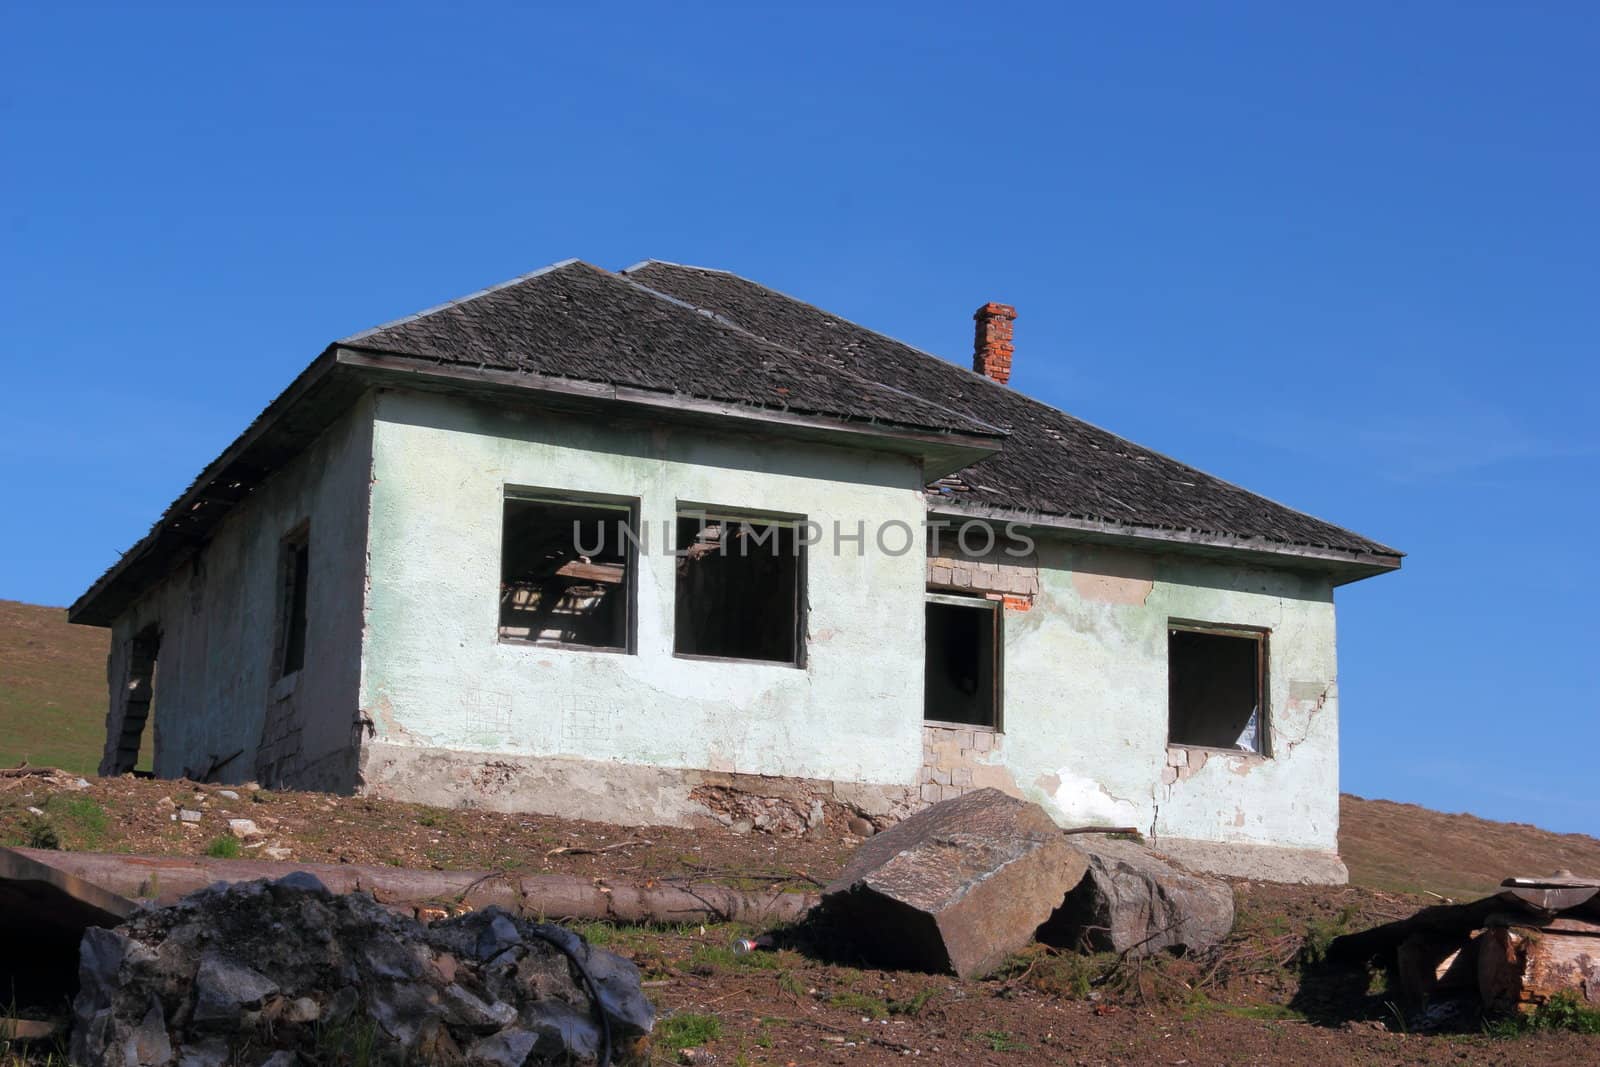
(285, 971)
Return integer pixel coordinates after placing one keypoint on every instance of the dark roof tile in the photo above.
(1052, 463)
(578, 322)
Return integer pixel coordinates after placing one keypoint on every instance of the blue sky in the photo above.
(1347, 258)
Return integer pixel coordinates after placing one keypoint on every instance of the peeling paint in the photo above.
(1110, 576)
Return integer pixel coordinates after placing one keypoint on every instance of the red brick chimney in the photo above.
(991, 346)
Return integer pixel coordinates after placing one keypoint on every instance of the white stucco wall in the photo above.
(218, 619)
(1086, 699)
(435, 674)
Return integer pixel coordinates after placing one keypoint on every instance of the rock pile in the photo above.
(286, 972)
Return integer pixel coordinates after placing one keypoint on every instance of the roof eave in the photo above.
(941, 452)
(326, 388)
(314, 396)
(1342, 565)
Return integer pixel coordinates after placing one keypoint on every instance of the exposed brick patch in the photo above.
(956, 759)
(1014, 579)
(278, 754)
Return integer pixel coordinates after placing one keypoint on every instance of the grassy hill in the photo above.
(1408, 849)
(53, 701)
(52, 688)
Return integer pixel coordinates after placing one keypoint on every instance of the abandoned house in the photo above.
(667, 546)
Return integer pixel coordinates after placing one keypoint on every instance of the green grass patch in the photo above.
(53, 702)
(1200, 1005)
(861, 1004)
(1320, 933)
(713, 959)
(224, 848)
(999, 1041)
(1562, 1012)
(352, 1042)
(687, 1029)
(912, 1006)
(72, 822)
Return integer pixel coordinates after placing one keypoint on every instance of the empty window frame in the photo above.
(962, 679)
(294, 582)
(567, 570)
(740, 588)
(1217, 686)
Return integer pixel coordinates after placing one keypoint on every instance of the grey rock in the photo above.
(508, 1048)
(1131, 900)
(959, 886)
(390, 959)
(281, 1058)
(403, 1009)
(467, 1010)
(500, 934)
(560, 1027)
(343, 1004)
(148, 1045)
(224, 988)
(100, 956)
(304, 882)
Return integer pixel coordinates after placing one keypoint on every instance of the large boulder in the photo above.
(286, 969)
(1133, 901)
(959, 886)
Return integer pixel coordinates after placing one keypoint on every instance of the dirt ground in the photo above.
(1259, 999)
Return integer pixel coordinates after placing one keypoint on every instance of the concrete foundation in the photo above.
(628, 794)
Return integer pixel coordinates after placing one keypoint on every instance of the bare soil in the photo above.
(1258, 1000)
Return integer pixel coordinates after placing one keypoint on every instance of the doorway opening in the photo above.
(138, 705)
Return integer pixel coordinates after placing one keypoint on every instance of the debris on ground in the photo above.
(958, 886)
(289, 967)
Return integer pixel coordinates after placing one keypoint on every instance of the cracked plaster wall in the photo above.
(436, 676)
(1086, 699)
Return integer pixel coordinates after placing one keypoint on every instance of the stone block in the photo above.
(957, 887)
(1131, 901)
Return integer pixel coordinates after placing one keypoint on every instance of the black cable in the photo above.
(593, 988)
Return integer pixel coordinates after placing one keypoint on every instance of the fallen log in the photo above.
(430, 894)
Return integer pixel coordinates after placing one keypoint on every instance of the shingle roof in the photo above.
(579, 322)
(671, 331)
(1051, 464)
